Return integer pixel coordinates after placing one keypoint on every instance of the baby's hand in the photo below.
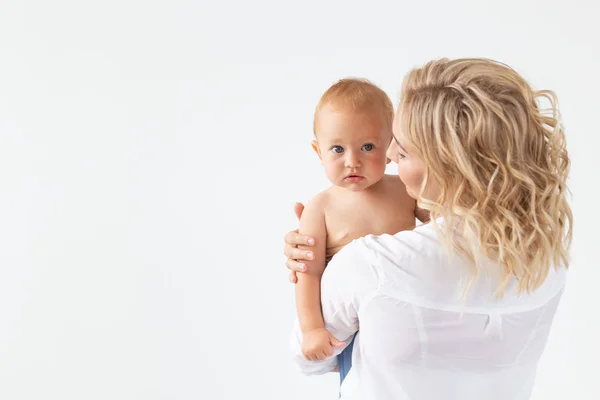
(318, 344)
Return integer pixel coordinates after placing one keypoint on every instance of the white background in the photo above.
(150, 155)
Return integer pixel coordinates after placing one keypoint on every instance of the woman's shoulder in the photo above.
(410, 252)
(373, 253)
(354, 268)
(420, 242)
(421, 268)
(403, 245)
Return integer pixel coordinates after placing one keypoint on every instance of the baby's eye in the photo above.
(367, 147)
(337, 149)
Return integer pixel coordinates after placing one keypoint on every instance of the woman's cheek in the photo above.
(409, 176)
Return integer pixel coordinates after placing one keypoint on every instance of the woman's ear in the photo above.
(315, 146)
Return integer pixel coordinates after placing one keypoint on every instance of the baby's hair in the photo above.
(357, 95)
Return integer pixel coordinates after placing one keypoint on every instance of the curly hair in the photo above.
(500, 160)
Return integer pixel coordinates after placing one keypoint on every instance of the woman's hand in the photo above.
(294, 255)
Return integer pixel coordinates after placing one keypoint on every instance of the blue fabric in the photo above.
(345, 360)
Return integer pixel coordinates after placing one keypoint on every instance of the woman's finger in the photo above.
(298, 208)
(295, 266)
(293, 238)
(298, 254)
(293, 277)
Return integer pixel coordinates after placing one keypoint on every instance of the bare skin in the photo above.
(332, 220)
(363, 200)
(386, 208)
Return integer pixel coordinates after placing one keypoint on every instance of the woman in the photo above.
(459, 308)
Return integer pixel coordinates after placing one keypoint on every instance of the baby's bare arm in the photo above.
(308, 288)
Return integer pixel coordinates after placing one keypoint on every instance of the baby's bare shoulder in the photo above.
(395, 190)
(320, 201)
(394, 184)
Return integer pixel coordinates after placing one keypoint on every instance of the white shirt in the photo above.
(418, 338)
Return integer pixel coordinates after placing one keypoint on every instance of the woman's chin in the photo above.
(411, 193)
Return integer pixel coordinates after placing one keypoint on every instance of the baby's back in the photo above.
(383, 208)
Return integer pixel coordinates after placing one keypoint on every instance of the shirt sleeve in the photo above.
(348, 278)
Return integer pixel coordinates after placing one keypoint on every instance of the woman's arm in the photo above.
(348, 278)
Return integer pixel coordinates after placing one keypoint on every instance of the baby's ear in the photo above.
(315, 146)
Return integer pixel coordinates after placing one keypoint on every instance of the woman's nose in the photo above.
(390, 151)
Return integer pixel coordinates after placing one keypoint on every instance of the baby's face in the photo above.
(352, 147)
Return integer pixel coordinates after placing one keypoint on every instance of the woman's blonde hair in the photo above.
(500, 160)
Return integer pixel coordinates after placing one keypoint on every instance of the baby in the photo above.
(353, 129)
